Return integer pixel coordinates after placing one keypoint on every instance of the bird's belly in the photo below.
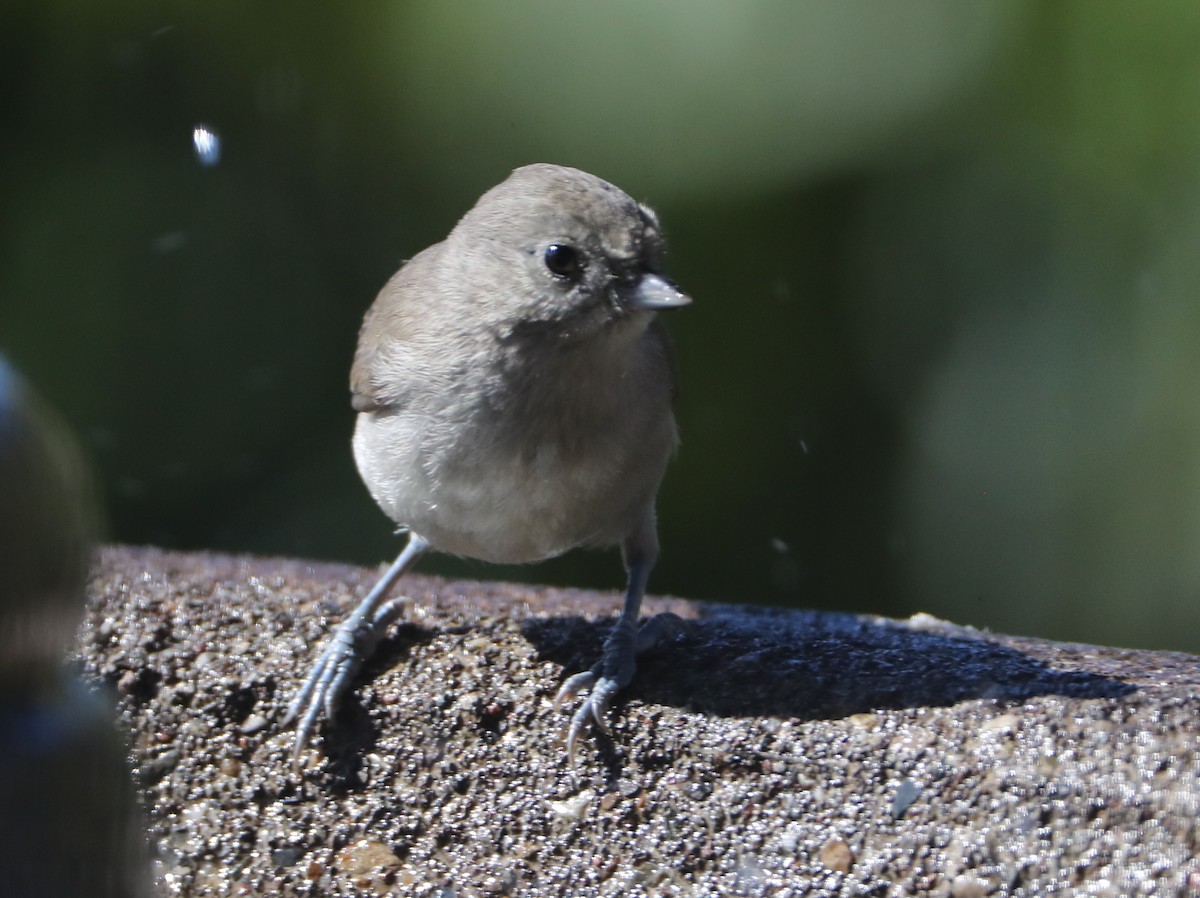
(483, 502)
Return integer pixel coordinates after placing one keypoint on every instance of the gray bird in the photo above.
(514, 396)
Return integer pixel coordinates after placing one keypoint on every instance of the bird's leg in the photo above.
(352, 643)
(616, 667)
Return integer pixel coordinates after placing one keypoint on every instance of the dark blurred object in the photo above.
(47, 522)
(67, 821)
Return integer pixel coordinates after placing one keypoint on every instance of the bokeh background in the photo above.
(945, 349)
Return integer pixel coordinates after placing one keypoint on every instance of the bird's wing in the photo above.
(378, 378)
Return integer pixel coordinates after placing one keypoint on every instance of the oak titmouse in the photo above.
(514, 395)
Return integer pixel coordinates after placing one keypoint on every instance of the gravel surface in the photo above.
(761, 753)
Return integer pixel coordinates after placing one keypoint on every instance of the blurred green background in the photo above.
(945, 349)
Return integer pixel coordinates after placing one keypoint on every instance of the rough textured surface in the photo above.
(763, 753)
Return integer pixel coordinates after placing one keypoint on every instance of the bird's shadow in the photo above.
(743, 662)
(757, 662)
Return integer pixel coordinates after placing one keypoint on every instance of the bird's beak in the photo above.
(654, 293)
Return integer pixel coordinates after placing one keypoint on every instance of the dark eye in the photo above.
(563, 260)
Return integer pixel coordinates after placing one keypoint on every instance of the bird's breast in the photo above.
(484, 491)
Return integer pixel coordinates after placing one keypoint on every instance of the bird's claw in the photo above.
(593, 708)
(329, 679)
(612, 673)
(573, 686)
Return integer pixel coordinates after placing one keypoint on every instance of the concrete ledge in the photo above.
(764, 753)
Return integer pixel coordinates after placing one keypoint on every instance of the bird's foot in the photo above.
(330, 677)
(612, 673)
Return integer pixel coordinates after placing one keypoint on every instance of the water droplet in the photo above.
(207, 145)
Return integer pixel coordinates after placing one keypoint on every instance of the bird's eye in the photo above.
(563, 260)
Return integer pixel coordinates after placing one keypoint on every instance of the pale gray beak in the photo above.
(654, 293)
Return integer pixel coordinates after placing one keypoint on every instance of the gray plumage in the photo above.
(514, 395)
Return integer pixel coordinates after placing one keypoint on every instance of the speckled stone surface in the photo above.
(762, 753)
